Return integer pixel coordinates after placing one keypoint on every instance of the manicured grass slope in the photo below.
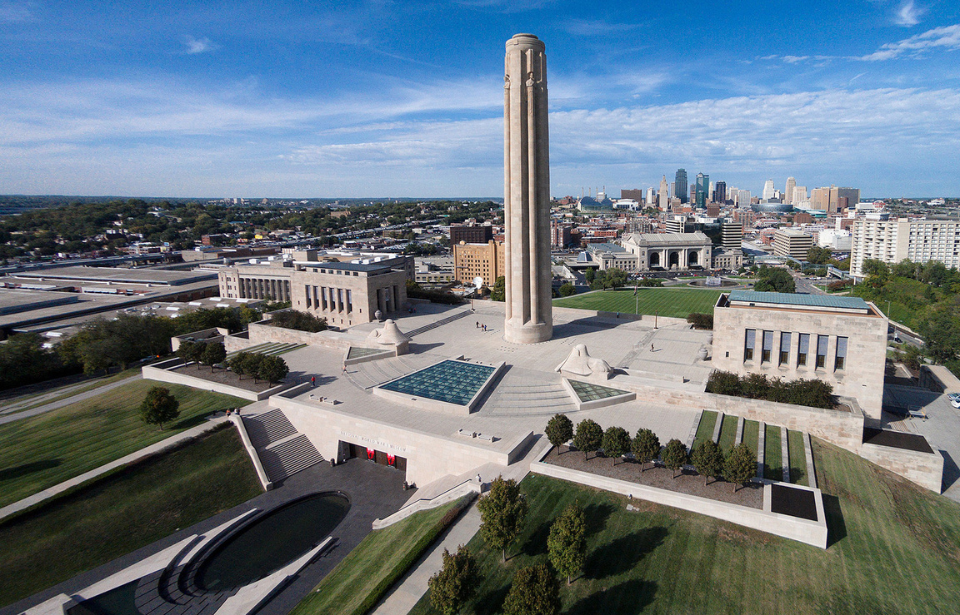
(895, 549)
(123, 512)
(371, 563)
(798, 460)
(41, 451)
(773, 454)
(668, 302)
(708, 421)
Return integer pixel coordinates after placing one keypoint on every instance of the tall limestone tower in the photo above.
(526, 187)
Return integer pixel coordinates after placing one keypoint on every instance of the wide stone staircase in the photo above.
(373, 373)
(522, 393)
(283, 451)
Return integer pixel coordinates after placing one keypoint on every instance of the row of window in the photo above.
(803, 349)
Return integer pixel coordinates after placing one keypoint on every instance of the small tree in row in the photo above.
(559, 430)
(265, 367)
(616, 442)
(589, 437)
(741, 465)
(708, 459)
(674, 455)
(645, 447)
(455, 583)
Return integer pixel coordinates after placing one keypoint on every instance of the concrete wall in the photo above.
(213, 335)
(429, 456)
(939, 379)
(862, 374)
(924, 469)
(809, 532)
(158, 373)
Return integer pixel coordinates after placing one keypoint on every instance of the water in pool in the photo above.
(273, 541)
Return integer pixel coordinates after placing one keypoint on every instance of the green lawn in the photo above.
(728, 432)
(381, 558)
(61, 393)
(894, 549)
(669, 302)
(708, 420)
(772, 454)
(798, 458)
(41, 451)
(123, 512)
(751, 434)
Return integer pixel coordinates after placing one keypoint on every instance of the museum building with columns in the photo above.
(670, 251)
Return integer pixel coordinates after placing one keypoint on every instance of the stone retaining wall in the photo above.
(809, 532)
(924, 469)
(160, 374)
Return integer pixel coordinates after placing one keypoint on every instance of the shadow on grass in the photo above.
(597, 515)
(536, 544)
(28, 468)
(627, 597)
(836, 527)
(193, 421)
(492, 602)
(623, 553)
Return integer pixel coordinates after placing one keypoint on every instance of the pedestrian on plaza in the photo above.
(344, 368)
(313, 380)
(651, 347)
(478, 324)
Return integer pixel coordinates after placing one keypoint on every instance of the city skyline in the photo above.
(286, 101)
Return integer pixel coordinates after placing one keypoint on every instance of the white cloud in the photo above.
(596, 27)
(946, 38)
(198, 45)
(908, 15)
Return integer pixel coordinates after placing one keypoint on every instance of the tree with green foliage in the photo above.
(707, 458)
(674, 455)
(775, 280)
(818, 255)
(23, 360)
(567, 289)
(559, 430)
(455, 583)
(238, 364)
(874, 267)
(502, 513)
(645, 446)
(299, 321)
(700, 321)
(159, 407)
(740, 466)
(941, 333)
(567, 543)
(614, 277)
(187, 350)
(251, 364)
(499, 292)
(588, 437)
(590, 275)
(213, 353)
(272, 368)
(616, 442)
(535, 591)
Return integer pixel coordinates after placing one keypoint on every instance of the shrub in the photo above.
(559, 430)
(813, 393)
(723, 383)
(741, 465)
(700, 321)
(300, 321)
(567, 289)
(707, 457)
(589, 436)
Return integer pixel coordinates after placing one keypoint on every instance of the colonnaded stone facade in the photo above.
(526, 179)
(839, 340)
(676, 251)
(345, 293)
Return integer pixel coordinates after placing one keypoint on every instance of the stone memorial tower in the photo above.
(526, 187)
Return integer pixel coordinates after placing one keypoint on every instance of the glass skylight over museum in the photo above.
(454, 382)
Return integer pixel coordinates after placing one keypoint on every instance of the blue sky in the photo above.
(324, 99)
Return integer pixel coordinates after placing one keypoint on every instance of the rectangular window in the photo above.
(841, 358)
(749, 345)
(349, 301)
(803, 349)
(784, 348)
(767, 346)
(821, 351)
(309, 298)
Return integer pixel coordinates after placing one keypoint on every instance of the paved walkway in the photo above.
(10, 413)
(413, 585)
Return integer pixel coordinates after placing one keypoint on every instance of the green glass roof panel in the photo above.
(454, 382)
(826, 301)
(588, 391)
(356, 352)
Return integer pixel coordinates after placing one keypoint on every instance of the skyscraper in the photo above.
(681, 183)
(788, 191)
(721, 196)
(768, 190)
(663, 196)
(526, 171)
(703, 189)
(799, 195)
